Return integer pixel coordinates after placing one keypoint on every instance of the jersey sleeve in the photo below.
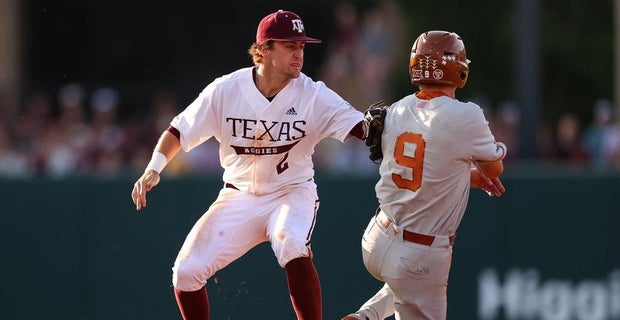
(197, 123)
(483, 144)
(338, 117)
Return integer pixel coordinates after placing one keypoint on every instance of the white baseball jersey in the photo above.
(428, 147)
(265, 144)
(266, 150)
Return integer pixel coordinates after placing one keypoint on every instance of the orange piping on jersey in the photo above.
(427, 95)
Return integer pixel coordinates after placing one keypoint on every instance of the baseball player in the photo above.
(434, 148)
(268, 118)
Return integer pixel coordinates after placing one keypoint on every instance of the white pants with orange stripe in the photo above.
(415, 275)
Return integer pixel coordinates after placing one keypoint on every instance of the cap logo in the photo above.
(297, 25)
(282, 26)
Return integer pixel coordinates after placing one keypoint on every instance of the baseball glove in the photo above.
(374, 118)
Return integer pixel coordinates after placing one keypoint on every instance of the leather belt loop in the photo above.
(383, 219)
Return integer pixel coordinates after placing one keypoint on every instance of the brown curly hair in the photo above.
(254, 51)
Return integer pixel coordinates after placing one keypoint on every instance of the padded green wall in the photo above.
(77, 249)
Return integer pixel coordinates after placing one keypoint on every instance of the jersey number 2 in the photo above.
(282, 165)
(414, 162)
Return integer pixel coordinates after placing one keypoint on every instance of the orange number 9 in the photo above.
(414, 162)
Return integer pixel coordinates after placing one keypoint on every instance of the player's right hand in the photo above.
(147, 181)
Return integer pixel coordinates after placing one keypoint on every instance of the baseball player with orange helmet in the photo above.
(268, 118)
(434, 148)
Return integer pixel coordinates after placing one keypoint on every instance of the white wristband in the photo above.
(158, 162)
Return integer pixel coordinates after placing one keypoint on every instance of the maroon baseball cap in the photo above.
(282, 26)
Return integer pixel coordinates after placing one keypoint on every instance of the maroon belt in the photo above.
(423, 239)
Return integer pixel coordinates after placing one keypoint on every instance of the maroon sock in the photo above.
(304, 288)
(194, 305)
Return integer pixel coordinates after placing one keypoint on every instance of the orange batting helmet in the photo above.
(438, 58)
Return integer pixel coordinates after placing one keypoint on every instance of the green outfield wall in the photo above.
(76, 249)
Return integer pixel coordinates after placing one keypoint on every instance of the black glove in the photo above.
(374, 119)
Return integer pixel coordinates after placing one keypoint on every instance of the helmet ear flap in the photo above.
(463, 75)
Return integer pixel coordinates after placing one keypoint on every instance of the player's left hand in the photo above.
(492, 186)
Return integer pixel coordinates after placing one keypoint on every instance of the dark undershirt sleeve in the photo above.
(358, 130)
(174, 132)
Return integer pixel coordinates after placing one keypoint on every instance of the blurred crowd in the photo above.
(568, 143)
(79, 131)
(75, 132)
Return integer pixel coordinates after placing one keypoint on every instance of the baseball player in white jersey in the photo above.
(434, 148)
(268, 118)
